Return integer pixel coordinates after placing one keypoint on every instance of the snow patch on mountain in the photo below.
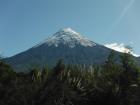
(68, 37)
(120, 48)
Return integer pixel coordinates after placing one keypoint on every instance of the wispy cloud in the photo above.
(122, 14)
(120, 48)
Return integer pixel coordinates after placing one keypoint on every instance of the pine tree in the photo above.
(129, 78)
(59, 68)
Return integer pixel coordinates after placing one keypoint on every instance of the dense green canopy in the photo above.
(107, 84)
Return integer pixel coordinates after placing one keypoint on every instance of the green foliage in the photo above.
(44, 73)
(6, 73)
(59, 68)
(36, 75)
(107, 84)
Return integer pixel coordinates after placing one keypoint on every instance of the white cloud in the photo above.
(122, 14)
(120, 48)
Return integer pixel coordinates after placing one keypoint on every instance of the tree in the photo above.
(6, 73)
(110, 62)
(129, 78)
(108, 86)
(36, 75)
(129, 67)
(44, 73)
(59, 68)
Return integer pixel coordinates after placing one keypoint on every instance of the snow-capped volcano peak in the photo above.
(69, 30)
(69, 37)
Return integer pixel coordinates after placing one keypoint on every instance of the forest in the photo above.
(108, 84)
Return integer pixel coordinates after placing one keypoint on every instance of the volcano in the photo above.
(65, 44)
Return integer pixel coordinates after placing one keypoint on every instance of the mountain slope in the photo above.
(65, 44)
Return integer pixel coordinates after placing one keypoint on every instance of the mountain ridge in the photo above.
(65, 44)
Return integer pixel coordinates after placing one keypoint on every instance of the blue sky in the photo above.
(24, 23)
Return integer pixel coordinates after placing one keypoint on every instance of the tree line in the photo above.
(108, 84)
